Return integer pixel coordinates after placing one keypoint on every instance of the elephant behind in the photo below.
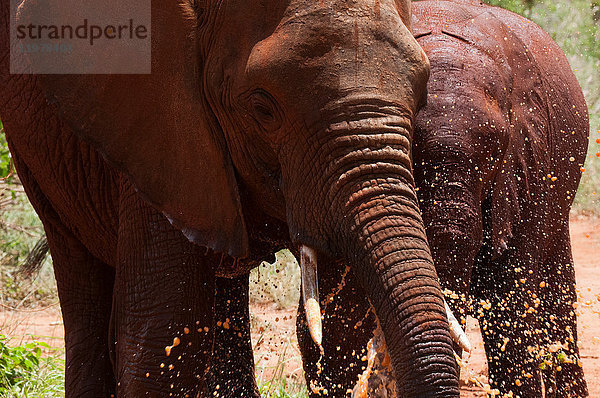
(497, 157)
(263, 124)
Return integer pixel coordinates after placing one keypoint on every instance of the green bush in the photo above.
(5, 157)
(278, 282)
(25, 372)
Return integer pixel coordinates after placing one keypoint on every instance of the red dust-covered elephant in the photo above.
(497, 154)
(263, 124)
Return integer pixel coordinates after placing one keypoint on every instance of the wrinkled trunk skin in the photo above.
(396, 269)
(373, 222)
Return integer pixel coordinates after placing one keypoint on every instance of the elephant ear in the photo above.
(158, 130)
(519, 180)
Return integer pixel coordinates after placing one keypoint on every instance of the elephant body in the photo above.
(497, 156)
(126, 278)
(262, 125)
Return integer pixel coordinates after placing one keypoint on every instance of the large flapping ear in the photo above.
(157, 129)
(520, 178)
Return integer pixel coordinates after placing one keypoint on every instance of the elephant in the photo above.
(263, 125)
(497, 153)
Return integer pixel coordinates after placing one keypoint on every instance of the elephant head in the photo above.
(307, 108)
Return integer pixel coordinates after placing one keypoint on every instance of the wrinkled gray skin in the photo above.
(263, 124)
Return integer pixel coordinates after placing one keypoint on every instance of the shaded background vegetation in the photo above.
(573, 24)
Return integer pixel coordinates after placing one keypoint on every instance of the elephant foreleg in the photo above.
(558, 297)
(506, 305)
(232, 364)
(163, 307)
(85, 287)
(454, 227)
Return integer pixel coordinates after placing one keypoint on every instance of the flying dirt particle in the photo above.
(186, 330)
(598, 141)
(582, 169)
(503, 347)
(542, 284)
(168, 348)
(147, 374)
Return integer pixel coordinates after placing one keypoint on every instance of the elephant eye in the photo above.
(264, 110)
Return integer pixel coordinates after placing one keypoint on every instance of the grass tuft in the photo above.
(32, 370)
(279, 384)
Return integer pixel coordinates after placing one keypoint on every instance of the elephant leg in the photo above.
(163, 306)
(85, 288)
(560, 321)
(348, 325)
(450, 196)
(506, 305)
(232, 363)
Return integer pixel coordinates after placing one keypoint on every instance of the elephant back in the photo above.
(542, 103)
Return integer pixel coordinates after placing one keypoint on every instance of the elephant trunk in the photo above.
(396, 270)
(372, 220)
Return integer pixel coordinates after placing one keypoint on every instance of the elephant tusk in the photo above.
(310, 293)
(456, 331)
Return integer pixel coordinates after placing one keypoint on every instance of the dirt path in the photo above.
(274, 330)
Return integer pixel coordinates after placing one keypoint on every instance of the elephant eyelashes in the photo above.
(264, 110)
